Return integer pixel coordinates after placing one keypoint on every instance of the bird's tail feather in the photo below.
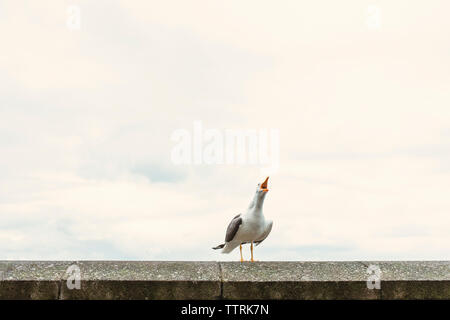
(230, 246)
(227, 247)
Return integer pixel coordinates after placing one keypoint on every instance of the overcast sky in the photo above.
(359, 92)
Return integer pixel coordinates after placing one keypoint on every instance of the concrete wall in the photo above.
(224, 280)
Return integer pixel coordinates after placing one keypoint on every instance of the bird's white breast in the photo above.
(252, 227)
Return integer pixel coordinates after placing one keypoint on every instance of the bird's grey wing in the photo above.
(233, 228)
(265, 234)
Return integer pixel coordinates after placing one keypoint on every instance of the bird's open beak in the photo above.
(264, 185)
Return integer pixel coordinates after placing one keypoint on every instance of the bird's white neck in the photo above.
(256, 204)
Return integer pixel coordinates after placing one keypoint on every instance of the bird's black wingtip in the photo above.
(220, 246)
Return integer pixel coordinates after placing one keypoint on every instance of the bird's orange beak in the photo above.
(264, 185)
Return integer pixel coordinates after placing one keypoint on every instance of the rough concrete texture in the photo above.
(296, 280)
(146, 280)
(414, 279)
(224, 280)
(36, 280)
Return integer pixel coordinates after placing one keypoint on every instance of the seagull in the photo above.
(250, 227)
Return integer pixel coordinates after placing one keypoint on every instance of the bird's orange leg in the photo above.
(240, 248)
(251, 249)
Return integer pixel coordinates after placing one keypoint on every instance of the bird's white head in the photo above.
(261, 191)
